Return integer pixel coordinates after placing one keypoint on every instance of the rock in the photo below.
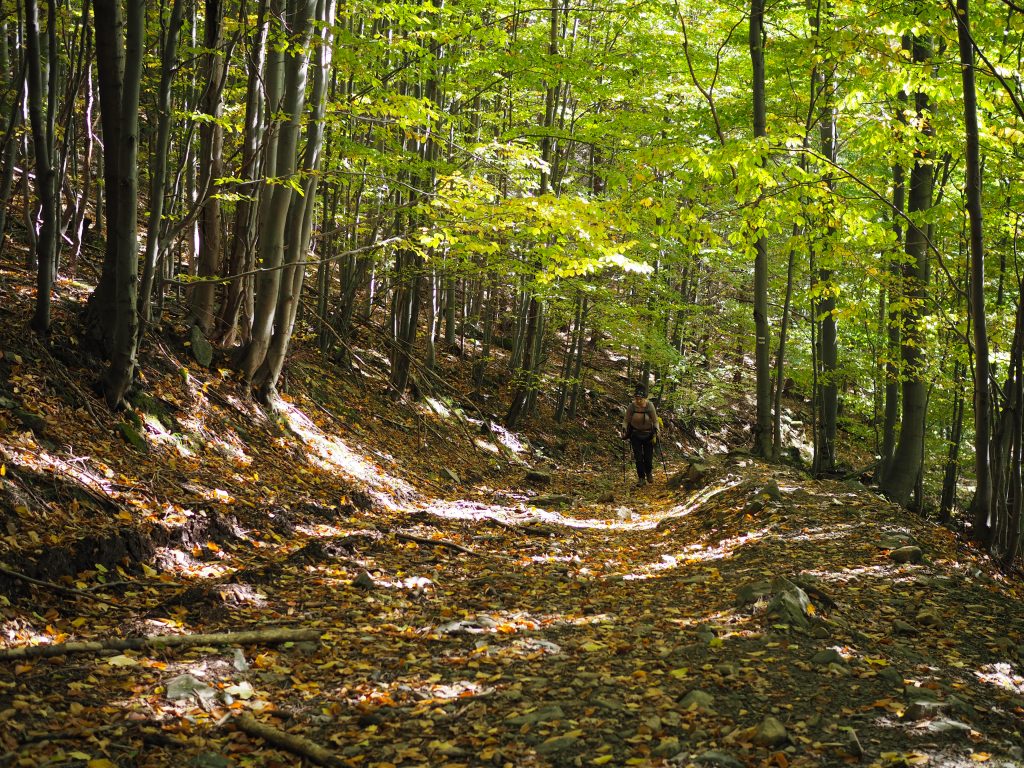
(202, 350)
(945, 725)
(908, 554)
(928, 618)
(667, 747)
(537, 476)
(923, 710)
(30, 420)
(770, 733)
(895, 540)
(186, 687)
(790, 604)
(891, 676)
(692, 476)
(719, 759)
(821, 632)
(900, 627)
(751, 593)
(917, 693)
(451, 475)
(698, 701)
(771, 491)
(606, 498)
(753, 506)
(211, 760)
(557, 743)
(727, 669)
(542, 715)
(826, 657)
(364, 581)
(132, 437)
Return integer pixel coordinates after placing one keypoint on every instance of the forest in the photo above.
(317, 324)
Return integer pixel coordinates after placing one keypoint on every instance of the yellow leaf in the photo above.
(122, 661)
(3, 470)
(680, 673)
(212, 546)
(151, 572)
(79, 755)
(593, 647)
(981, 757)
(101, 763)
(602, 759)
(125, 515)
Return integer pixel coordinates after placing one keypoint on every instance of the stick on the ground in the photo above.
(57, 587)
(273, 636)
(437, 543)
(297, 745)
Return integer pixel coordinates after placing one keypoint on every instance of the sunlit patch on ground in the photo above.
(332, 454)
(1003, 675)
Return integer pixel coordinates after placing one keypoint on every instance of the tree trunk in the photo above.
(907, 461)
(122, 358)
(101, 310)
(763, 423)
(46, 242)
(211, 145)
(158, 171)
(976, 294)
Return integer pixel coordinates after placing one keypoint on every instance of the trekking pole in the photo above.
(661, 453)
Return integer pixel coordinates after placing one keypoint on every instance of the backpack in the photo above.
(641, 423)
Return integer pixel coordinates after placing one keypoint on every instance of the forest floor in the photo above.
(445, 593)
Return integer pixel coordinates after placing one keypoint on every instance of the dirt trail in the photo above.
(580, 634)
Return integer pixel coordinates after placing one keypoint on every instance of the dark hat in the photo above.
(640, 391)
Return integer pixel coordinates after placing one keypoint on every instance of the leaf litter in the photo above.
(757, 619)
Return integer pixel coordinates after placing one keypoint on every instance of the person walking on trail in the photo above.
(641, 429)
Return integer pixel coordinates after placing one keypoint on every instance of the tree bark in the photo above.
(763, 423)
(976, 294)
(908, 457)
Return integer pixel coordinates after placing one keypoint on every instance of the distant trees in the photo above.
(534, 183)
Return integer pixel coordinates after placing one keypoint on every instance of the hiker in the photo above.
(641, 429)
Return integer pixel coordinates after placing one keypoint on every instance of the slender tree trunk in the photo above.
(976, 294)
(952, 471)
(211, 145)
(46, 242)
(763, 424)
(274, 209)
(243, 241)
(158, 171)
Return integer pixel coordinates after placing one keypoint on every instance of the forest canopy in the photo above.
(807, 190)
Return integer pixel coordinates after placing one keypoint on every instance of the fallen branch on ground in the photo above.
(272, 636)
(437, 543)
(297, 745)
(57, 587)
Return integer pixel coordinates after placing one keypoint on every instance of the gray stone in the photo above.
(891, 676)
(908, 554)
(606, 498)
(928, 618)
(751, 593)
(211, 760)
(698, 701)
(667, 747)
(539, 477)
(901, 627)
(542, 715)
(557, 743)
(826, 657)
(716, 758)
(770, 733)
(917, 693)
(202, 350)
(790, 604)
(364, 581)
(923, 710)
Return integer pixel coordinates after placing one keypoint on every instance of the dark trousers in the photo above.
(643, 455)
